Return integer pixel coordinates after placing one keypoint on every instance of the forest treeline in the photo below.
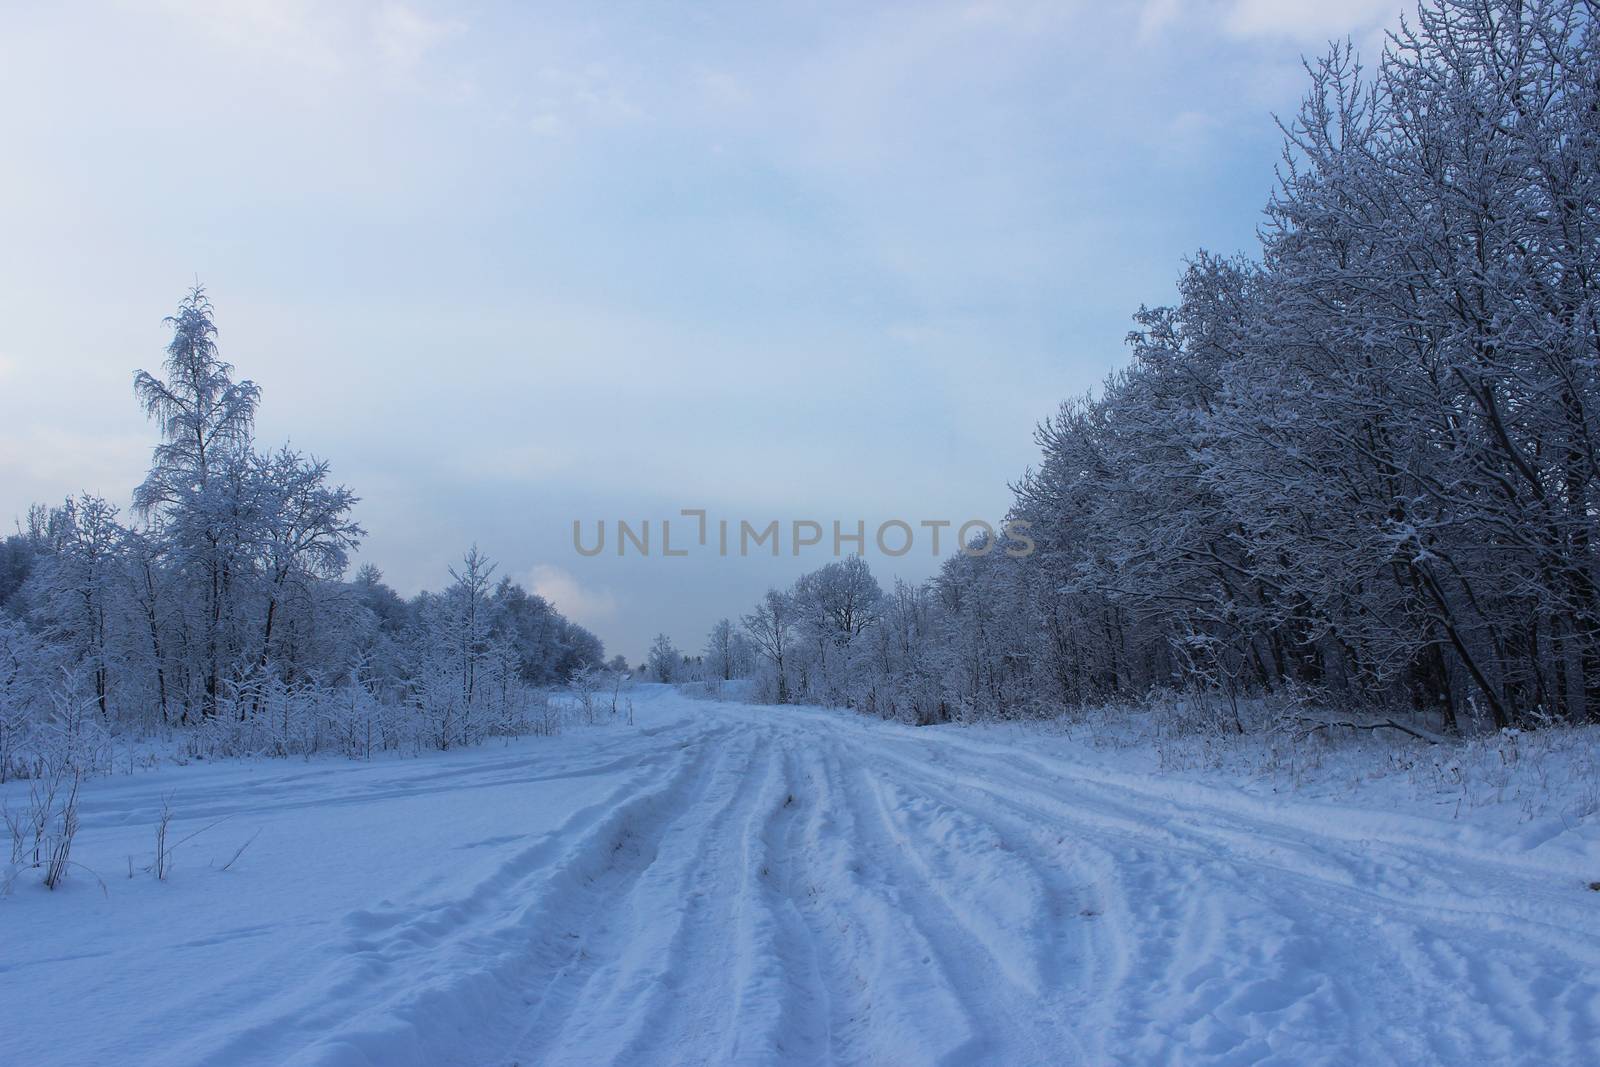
(1360, 465)
(220, 603)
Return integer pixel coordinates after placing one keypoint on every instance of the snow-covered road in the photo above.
(731, 884)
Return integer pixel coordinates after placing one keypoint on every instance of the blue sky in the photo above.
(513, 265)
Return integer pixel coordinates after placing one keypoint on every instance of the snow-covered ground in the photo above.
(724, 883)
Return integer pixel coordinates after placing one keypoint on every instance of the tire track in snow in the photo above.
(1385, 875)
(339, 785)
(1213, 961)
(574, 917)
(1392, 871)
(1030, 896)
(780, 1004)
(1002, 995)
(658, 997)
(907, 1009)
(393, 957)
(1311, 913)
(1145, 995)
(811, 862)
(453, 975)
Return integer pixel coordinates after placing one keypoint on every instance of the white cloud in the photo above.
(300, 37)
(1157, 15)
(294, 32)
(404, 35)
(1306, 21)
(590, 607)
(1301, 19)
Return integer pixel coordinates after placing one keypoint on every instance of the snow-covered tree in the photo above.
(771, 629)
(728, 653)
(665, 661)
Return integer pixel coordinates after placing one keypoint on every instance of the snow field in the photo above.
(728, 883)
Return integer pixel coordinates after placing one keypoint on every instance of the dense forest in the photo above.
(1359, 468)
(220, 604)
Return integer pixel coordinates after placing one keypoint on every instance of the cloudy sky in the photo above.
(512, 265)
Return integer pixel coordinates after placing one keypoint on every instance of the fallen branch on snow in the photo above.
(1375, 724)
